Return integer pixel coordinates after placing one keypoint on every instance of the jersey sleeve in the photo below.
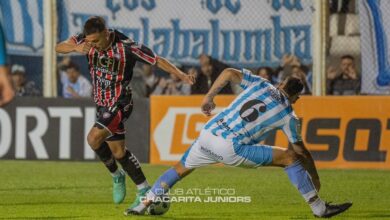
(292, 129)
(78, 38)
(248, 79)
(3, 51)
(142, 53)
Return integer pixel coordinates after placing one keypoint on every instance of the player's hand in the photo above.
(189, 79)
(193, 71)
(83, 48)
(207, 106)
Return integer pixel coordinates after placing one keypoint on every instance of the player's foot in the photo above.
(119, 187)
(137, 207)
(332, 210)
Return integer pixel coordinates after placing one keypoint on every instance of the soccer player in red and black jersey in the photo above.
(111, 58)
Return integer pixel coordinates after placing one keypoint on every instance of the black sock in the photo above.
(132, 167)
(106, 157)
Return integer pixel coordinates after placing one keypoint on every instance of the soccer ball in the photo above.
(159, 206)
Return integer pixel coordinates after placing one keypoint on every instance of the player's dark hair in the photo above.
(348, 57)
(293, 86)
(95, 24)
(72, 66)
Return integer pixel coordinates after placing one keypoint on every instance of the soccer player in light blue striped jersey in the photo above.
(232, 137)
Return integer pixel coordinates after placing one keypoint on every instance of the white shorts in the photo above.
(211, 149)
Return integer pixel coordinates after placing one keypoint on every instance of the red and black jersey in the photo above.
(112, 70)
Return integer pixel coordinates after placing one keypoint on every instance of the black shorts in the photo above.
(112, 119)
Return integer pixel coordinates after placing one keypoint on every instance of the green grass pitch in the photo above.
(82, 190)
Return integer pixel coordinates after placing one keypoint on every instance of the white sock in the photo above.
(116, 173)
(143, 185)
(318, 207)
(150, 196)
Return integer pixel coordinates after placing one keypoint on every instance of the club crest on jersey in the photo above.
(105, 61)
(106, 115)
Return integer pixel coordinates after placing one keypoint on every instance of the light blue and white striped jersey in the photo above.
(258, 110)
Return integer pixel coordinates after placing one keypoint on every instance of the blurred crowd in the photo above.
(22, 86)
(342, 75)
(342, 78)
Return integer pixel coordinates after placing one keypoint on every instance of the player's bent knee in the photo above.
(283, 157)
(119, 152)
(290, 157)
(94, 140)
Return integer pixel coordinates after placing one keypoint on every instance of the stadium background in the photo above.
(243, 34)
(43, 148)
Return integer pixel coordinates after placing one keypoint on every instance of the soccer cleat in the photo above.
(332, 210)
(137, 207)
(119, 187)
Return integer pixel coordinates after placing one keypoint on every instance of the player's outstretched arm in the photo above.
(228, 75)
(308, 162)
(168, 67)
(69, 46)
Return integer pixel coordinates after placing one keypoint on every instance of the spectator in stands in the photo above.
(154, 85)
(346, 80)
(301, 72)
(286, 68)
(74, 84)
(138, 86)
(174, 86)
(23, 87)
(267, 73)
(210, 69)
